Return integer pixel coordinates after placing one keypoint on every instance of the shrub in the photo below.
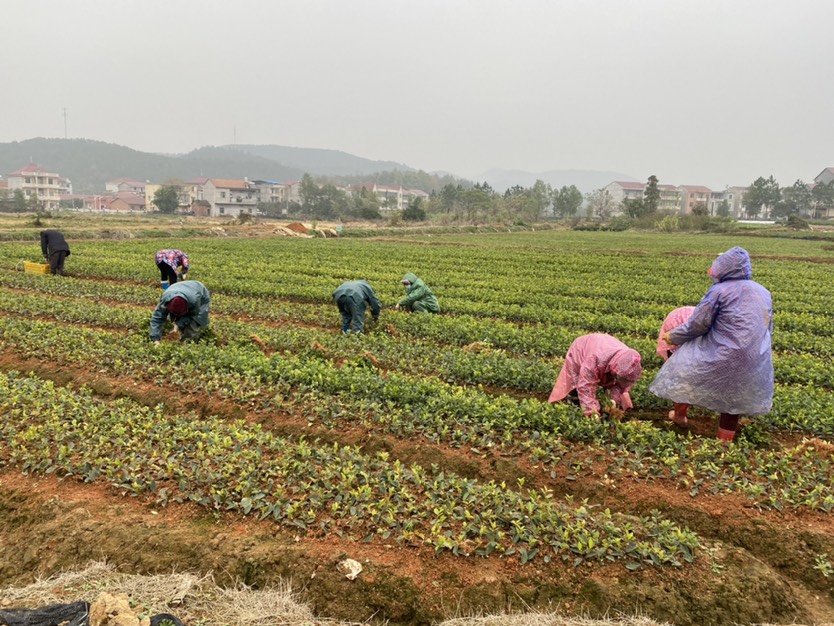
(619, 224)
(797, 223)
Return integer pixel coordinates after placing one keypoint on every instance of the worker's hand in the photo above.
(184, 276)
(397, 308)
(667, 339)
(616, 413)
(156, 343)
(376, 318)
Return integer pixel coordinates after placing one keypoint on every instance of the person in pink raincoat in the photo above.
(676, 318)
(594, 361)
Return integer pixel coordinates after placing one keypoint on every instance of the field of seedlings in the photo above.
(425, 449)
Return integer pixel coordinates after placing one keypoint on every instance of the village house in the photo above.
(121, 185)
(230, 197)
(34, 180)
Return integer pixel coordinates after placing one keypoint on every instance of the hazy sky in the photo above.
(712, 92)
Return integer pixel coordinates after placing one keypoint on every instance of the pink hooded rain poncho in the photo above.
(594, 361)
(675, 318)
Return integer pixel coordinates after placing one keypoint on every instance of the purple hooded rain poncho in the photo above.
(724, 360)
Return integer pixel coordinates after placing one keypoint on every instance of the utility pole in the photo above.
(65, 122)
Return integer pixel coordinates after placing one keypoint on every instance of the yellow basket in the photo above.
(36, 268)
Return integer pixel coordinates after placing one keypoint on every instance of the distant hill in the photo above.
(320, 162)
(90, 164)
(585, 180)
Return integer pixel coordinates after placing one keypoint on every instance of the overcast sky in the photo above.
(711, 92)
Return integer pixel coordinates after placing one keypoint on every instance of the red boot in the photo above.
(726, 435)
(727, 426)
(678, 415)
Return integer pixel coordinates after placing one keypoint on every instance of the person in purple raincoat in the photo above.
(724, 360)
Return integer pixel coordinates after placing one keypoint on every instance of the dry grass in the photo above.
(198, 601)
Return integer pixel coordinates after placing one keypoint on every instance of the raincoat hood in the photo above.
(626, 365)
(411, 278)
(734, 264)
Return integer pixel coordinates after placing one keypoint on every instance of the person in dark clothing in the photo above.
(55, 249)
(351, 297)
(187, 305)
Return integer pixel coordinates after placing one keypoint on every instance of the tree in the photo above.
(33, 203)
(723, 209)
(322, 201)
(762, 194)
(414, 212)
(700, 209)
(449, 196)
(166, 198)
(636, 207)
(600, 203)
(366, 204)
(796, 200)
(309, 192)
(475, 201)
(566, 201)
(822, 197)
(651, 196)
(541, 194)
(19, 204)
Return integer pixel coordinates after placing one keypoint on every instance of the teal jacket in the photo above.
(195, 294)
(419, 291)
(359, 291)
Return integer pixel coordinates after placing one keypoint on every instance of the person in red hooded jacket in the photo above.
(676, 317)
(594, 361)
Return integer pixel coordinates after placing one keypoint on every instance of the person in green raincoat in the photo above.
(419, 298)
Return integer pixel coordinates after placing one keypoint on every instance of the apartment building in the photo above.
(35, 180)
(390, 198)
(230, 197)
(734, 197)
(620, 191)
(692, 196)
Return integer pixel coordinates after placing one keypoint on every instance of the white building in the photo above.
(37, 181)
(230, 197)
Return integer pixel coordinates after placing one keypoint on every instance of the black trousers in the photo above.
(56, 262)
(168, 272)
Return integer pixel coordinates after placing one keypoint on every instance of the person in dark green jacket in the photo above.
(351, 298)
(187, 304)
(419, 298)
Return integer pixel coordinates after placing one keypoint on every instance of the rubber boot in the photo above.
(678, 415)
(726, 435)
(164, 284)
(727, 426)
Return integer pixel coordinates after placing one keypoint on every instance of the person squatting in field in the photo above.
(723, 362)
(419, 298)
(664, 350)
(55, 249)
(173, 266)
(187, 304)
(594, 361)
(351, 298)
